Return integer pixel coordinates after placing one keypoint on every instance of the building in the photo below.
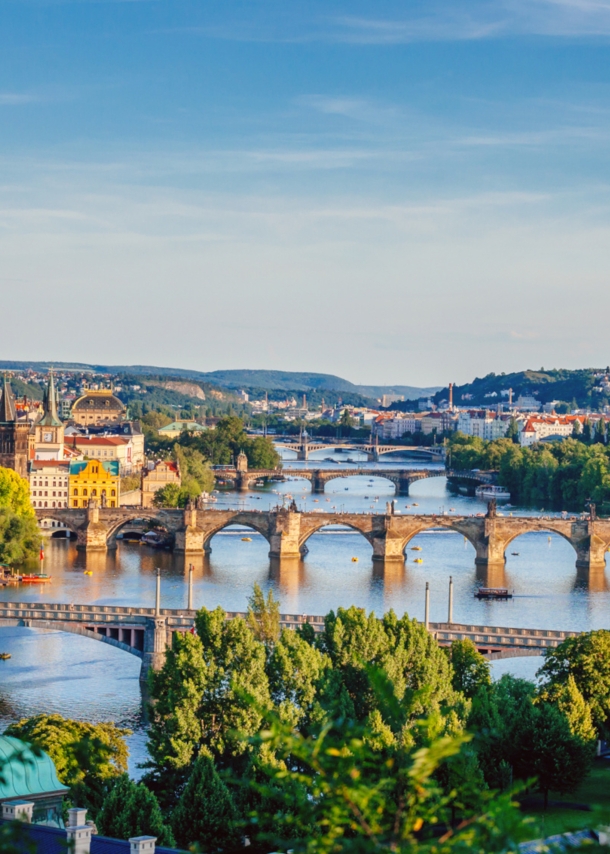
(14, 434)
(98, 406)
(431, 422)
(49, 483)
(389, 399)
(173, 430)
(30, 775)
(394, 428)
(97, 480)
(528, 403)
(483, 423)
(104, 447)
(540, 427)
(48, 433)
(164, 473)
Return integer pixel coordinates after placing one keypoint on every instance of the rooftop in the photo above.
(25, 773)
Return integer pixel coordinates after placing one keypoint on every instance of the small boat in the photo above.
(418, 560)
(516, 554)
(41, 578)
(5, 656)
(415, 548)
(246, 539)
(354, 560)
(493, 593)
(415, 505)
(489, 492)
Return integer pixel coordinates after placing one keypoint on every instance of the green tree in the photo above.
(205, 814)
(571, 703)
(87, 756)
(261, 453)
(296, 671)
(168, 496)
(264, 616)
(131, 809)
(470, 669)
(586, 659)
(19, 535)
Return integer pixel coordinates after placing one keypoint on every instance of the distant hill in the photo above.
(573, 389)
(288, 381)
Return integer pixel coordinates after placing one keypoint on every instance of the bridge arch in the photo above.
(325, 523)
(545, 527)
(69, 628)
(251, 524)
(346, 475)
(143, 516)
(440, 523)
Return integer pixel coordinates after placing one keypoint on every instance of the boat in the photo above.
(418, 560)
(516, 554)
(415, 505)
(246, 539)
(491, 492)
(493, 593)
(41, 578)
(415, 548)
(5, 656)
(354, 560)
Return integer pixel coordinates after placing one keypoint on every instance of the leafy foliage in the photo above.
(131, 809)
(86, 756)
(19, 535)
(205, 814)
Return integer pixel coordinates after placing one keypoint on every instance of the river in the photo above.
(54, 672)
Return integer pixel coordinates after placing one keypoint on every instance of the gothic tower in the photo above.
(49, 432)
(13, 434)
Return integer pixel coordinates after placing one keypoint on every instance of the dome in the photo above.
(103, 401)
(25, 773)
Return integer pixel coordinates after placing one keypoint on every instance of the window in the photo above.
(75, 502)
(75, 491)
(112, 503)
(85, 491)
(94, 492)
(113, 492)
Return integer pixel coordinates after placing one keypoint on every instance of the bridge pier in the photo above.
(285, 535)
(155, 646)
(93, 536)
(189, 539)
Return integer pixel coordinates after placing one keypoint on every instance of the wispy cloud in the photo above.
(9, 99)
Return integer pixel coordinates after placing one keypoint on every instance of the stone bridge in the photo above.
(287, 530)
(147, 633)
(372, 449)
(401, 478)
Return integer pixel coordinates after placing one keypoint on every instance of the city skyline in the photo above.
(237, 187)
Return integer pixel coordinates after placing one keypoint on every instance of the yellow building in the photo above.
(98, 406)
(94, 480)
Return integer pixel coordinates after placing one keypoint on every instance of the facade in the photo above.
(117, 448)
(173, 430)
(155, 479)
(49, 483)
(48, 437)
(98, 406)
(94, 480)
(540, 427)
(483, 423)
(528, 403)
(394, 428)
(14, 434)
(430, 422)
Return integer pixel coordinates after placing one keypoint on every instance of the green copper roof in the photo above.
(50, 417)
(23, 773)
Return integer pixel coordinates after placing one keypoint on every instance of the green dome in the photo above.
(22, 773)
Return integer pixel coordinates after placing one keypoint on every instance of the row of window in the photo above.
(93, 492)
(45, 492)
(85, 501)
(49, 504)
(58, 482)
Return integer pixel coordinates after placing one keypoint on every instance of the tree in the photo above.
(168, 496)
(131, 809)
(512, 432)
(573, 706)
(586, 659)
(87, 756)
(264, 616)
(205, 814)
(296, 672)
(261, 453)
(471, 670)
(19, 535)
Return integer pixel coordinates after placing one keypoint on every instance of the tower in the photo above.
(49, 432)
(242, 462)
(13, 434)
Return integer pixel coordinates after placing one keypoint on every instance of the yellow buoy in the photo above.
(87, 572)
(246, 539)
(418, 560)
(354, 560)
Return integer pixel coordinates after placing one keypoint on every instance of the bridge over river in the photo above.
(287, 530)
(373, 450)
(147, 632)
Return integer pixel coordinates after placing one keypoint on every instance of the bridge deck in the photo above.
(492, 639)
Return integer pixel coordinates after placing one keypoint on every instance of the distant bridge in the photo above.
(147, 633)
(287, 530)
(372, 450)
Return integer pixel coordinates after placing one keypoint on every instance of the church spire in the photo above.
(50, 417)
(7, 403)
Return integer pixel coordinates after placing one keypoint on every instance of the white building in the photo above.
(528, 403)
(536, 428)
(483, 423)
(394, 428)
(49, 483)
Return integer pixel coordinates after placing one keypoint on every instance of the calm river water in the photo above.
(77, 677)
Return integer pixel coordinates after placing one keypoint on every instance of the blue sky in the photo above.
(394, 192)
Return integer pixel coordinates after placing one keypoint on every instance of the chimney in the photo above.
(451, 396)
(142, 844)
(18, 811)
(78, 833)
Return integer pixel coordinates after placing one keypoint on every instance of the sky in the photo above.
(394, 192)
